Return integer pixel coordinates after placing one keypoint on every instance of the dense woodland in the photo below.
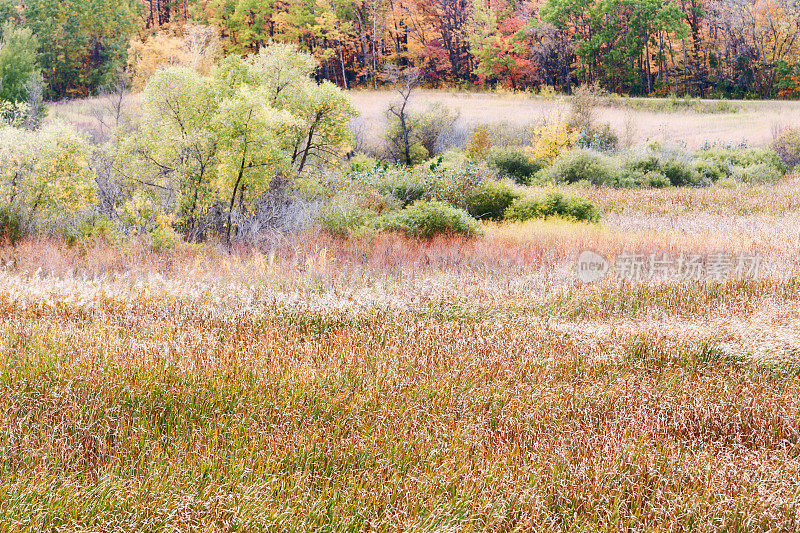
(706, 48)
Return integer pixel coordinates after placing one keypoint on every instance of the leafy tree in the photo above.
(177, 147)
(18, 65)
(226, 139)
(613, 37)
(82, 43)
(44, 174)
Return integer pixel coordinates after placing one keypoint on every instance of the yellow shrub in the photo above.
(552, 139)
(479, 143)
(193, 46)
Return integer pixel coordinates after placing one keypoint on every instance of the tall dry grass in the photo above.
(392, 384)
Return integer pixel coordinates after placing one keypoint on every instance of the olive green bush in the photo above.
(427, 219)
(491, 200)
(580, 165)
(787, 146)
(514, 164)
(553, 204)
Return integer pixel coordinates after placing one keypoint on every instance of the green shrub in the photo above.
(553, 205)
(426, 219)
(628, 178)
(452, 183)
(656, 180)
(758, 173)
(10, 225)
(598, 138)
(679, 174)
(163, 237)
(514, 164)
(727, 158)
(343, 218)
(644, 163)
(428, 133)
(580, 165)
(401, 183)
(658, 167)
(707, 170)
(360, 163)
(787, 147)
(491, 200)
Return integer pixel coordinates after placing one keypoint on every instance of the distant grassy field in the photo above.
(388, 384)
(693, 123)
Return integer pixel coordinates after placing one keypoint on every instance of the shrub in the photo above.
(787, 147)
(708, 171)
(657, 161)
(552, 139)
(679, 174)
(656, 179)
(452, 183)
(581, 165)
(450, 178)
(362, 163)
(553, 205)
(10, 225)
(163, 237)
(426, 219)
(479, 143)
(343, 218)
(45, 175)
(514, 164)
(603, 139)
(628, 178)
(583, 106)
(491, 200)
(757, 173)
(427, 134)
(727, 158)
(402, 184)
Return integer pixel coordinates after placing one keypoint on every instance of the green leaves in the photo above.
(225, 138)
(81, 42)
(45, 173)
(614, 39)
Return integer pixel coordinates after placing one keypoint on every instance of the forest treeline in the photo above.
(706, 48)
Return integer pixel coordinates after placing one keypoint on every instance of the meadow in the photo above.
(691, 122)
(385, 383)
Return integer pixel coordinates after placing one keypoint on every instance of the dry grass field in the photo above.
(388, 384)
(753, 122)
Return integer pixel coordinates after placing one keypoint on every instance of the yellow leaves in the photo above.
(551, 139)
(47, 170)
(479, 143)
(192, 46)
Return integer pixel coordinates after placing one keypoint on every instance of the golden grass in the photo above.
(754, 122)
(392, 384)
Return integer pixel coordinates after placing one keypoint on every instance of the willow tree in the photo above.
(253, 125)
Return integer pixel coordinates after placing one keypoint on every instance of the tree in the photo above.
(404, 82)
(225, 140)
(613, 37)
(255, 143)
(501, 51)
(82, 43)
(18, 65)
(176, 149)
(44, 174)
